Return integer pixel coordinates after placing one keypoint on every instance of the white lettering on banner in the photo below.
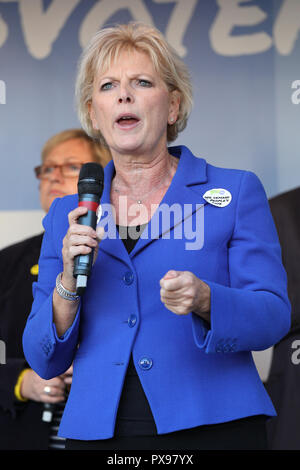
(2, 92)
(3, 31)
(231, 14)
(45, 26)
(104, 9)
(296, 95)
(175, 31)
(178, 23)
(41, 28)
(287, 26)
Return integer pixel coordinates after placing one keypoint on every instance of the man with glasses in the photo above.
(23, 394)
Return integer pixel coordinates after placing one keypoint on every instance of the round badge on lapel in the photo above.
(218, 197)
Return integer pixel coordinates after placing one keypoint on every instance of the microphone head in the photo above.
(91, 179)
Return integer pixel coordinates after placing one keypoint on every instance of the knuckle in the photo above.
(182, 311)
(72, 251)
(73, 239)
(73, 229)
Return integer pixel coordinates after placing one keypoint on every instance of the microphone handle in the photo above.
(83, 263)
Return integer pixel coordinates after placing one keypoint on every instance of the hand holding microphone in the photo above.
(90, 188)
(80, 245)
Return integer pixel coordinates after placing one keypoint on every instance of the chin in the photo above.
(133, 148)
(128, 143)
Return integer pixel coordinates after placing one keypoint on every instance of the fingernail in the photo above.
(171, 274)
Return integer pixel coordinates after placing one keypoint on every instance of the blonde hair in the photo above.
(107, 45)
(99, 153)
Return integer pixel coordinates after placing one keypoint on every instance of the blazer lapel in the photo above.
(182, 199)
(112, 243)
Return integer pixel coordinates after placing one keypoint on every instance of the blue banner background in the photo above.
(243, 117)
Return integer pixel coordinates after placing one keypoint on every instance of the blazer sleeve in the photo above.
(253, 312)
(46, 353)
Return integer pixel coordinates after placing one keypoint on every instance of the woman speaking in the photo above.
(188, 283)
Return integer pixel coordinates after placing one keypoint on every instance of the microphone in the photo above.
(90, 188)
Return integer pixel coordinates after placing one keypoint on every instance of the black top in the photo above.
(21, 426)
(134, 414)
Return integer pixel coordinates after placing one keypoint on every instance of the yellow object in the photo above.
(18, 386)
(34, 270)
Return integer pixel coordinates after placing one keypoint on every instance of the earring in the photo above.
(171, 120)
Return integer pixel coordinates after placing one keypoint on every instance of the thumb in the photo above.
(171, 274)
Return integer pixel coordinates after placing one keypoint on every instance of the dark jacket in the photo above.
(21, 426)
(283, 383)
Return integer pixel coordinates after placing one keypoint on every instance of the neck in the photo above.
(139, 175)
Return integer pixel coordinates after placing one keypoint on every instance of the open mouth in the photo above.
(127, 121)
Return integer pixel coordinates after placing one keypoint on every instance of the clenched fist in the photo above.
(182, 292)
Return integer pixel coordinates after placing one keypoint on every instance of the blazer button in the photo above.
(220, 346)
(145, 363)
(132, 321)
(128, 278)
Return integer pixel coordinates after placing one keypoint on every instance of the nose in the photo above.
(125, 98)
(126, 95)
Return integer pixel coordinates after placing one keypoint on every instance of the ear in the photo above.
(92, 115)
(174, 106)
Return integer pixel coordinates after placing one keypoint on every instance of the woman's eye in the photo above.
(106, 86)
(144, 83)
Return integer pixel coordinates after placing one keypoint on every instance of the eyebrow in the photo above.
(136, 75)
(70, 159)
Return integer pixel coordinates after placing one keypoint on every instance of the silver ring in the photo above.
(47, 390)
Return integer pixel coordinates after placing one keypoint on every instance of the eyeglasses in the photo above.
(68, 170)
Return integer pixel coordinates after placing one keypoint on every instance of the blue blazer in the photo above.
(193, 373)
